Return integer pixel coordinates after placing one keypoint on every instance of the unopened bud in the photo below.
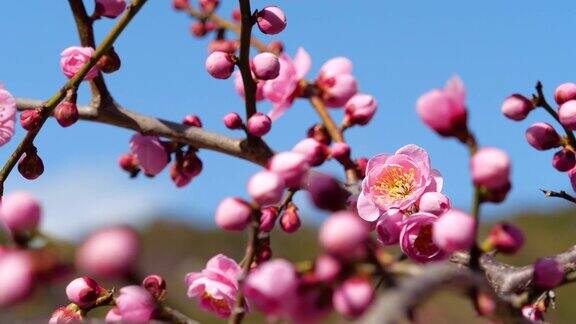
(319, 133)
(192, 120)
(30, 119)
(66, 113)
(290, 220)
(156, 286)
(31, 165)
(109, 62)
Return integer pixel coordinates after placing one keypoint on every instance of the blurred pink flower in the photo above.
(416, 238)
(135, 305)
(20, 212)
(343, 233)
(7, 116)
(150, 152)
(353, 297)
(216, 286)
(454, 231)
(65, 315)
(16, 277)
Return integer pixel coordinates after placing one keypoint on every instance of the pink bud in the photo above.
(109, 62)
(233, 214)
(259, 124)
(326, 193)
(327, 268)
(185, 168)
(276, 47)
(338, 90)
(291, 167)
(83, 291)
(156, 286)
(208, 5)
(490, 168)
(199, 29)
(563, 160)
(236, 15)
(533, 313)
(233, 121)
(353, 297)
(110, 8)
(505, 238)
(31, 165)
(266, 188)
(74, 58)
(265, 66)
(340, 152)
(314, 151)
(30, 119)
(20, 212)
(66, 315)
(565, 92)
(66, 114)
(110, 252)
(567, 114)
(16, 278)
(268, 219)
(362, 164)
(548, 273)
(129, 163)
(454, 231)
(389, 228)
(434, 202)
(180, 4)
(517, 107)
(151, 154)
(271, 20)
(136, 305)
(360, 109)
(192, 120)
(220, 65)
(542, 136)
(343, 233)
(290, 220)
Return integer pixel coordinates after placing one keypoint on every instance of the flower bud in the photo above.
(327, 268)
(265, 66)
(490, 168)
(220, 65)
(548, 273)
(236, 15)
(109, 62)
(83, 292)
(66, 315)
(517, 107)
(198, 29)
(454, 231)
(259, 124)
(290, 220)
(542, 136)
(271, 20)
(291, 167)
(504, 238)
(16, 278)
(110, 252)
(223, 45)
(533, 314)
(129, 163)
(484, 304)
(361, 165)
(30, 119)
(266, 188)
(565, 92)
(192, 120)
(264, 252)
(434, 202)
(20, 212)
(389, 228)
(268, 219)
(563, 160)
(180, 4)
(208, 5)
(326, 193)
(342, 233)
(353, 297)
(185, 168)
(233, 214)
(152, 155)
(276, 47)
(341, 152)
(66, 113)
(319, 133)
(233, 121)
(73, 59)
(156, 286)
(110, 8)
(567, 114)
(31, 165)
(314, 151)
(136, 305)
(360, 109)
(338, 90)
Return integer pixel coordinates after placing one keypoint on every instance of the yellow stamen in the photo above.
(396, 183)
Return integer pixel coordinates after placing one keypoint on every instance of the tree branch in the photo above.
(244, 59)
(562, 194)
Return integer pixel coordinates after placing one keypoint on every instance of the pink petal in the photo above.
(302, 63)
(278, 109)
(456, 90)
(367, 209)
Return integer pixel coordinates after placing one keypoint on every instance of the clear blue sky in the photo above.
(400, 50)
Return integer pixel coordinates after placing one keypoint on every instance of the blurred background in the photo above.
(400, 50)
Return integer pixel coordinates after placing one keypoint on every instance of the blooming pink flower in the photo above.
(216, 286)
(220, 65)
(109, 252)
(444, 110)
(389, 228)
(110, 8)
(343, 233)
(152, 155)
(16, 277)
(434, 202)
(454, 231)
(396, 181)
(83, 291)
(280, 91)
(517, 107)
(20, 212)
(360, 109)
(314, 151)
(74, 58)
(490, 168)
(7, 116)
(233, 214)
(542, 136)
(353, 297)
(505, 238)
(272, 287)
(135, 305)
(265, 66)
(567, 114)
(266, 188)
(565, 92)
(271, 20)
(291, 167)
(416, 238)
(66, 315)
(548, 273)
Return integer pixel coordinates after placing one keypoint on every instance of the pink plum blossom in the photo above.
(110, 8)
(152, 155)
(20, 212)
(136, 305)
(416, 238)
(290, 219)
(327, 268)
(564, 160)
(396, 181)
(389, 228)
(216, 286)
(7, 116)
(336, 81)
(74, 58)
(533, 313)
(360, 109)
(233, 121)
(454, 231)
(444, 110)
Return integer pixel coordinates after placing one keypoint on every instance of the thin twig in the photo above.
(562, 194)
(244, 59)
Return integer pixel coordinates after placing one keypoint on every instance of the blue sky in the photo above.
(400, 50)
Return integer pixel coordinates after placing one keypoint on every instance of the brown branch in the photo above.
(174, 316)
(115, 115)
(244, 59)
(562, 194)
